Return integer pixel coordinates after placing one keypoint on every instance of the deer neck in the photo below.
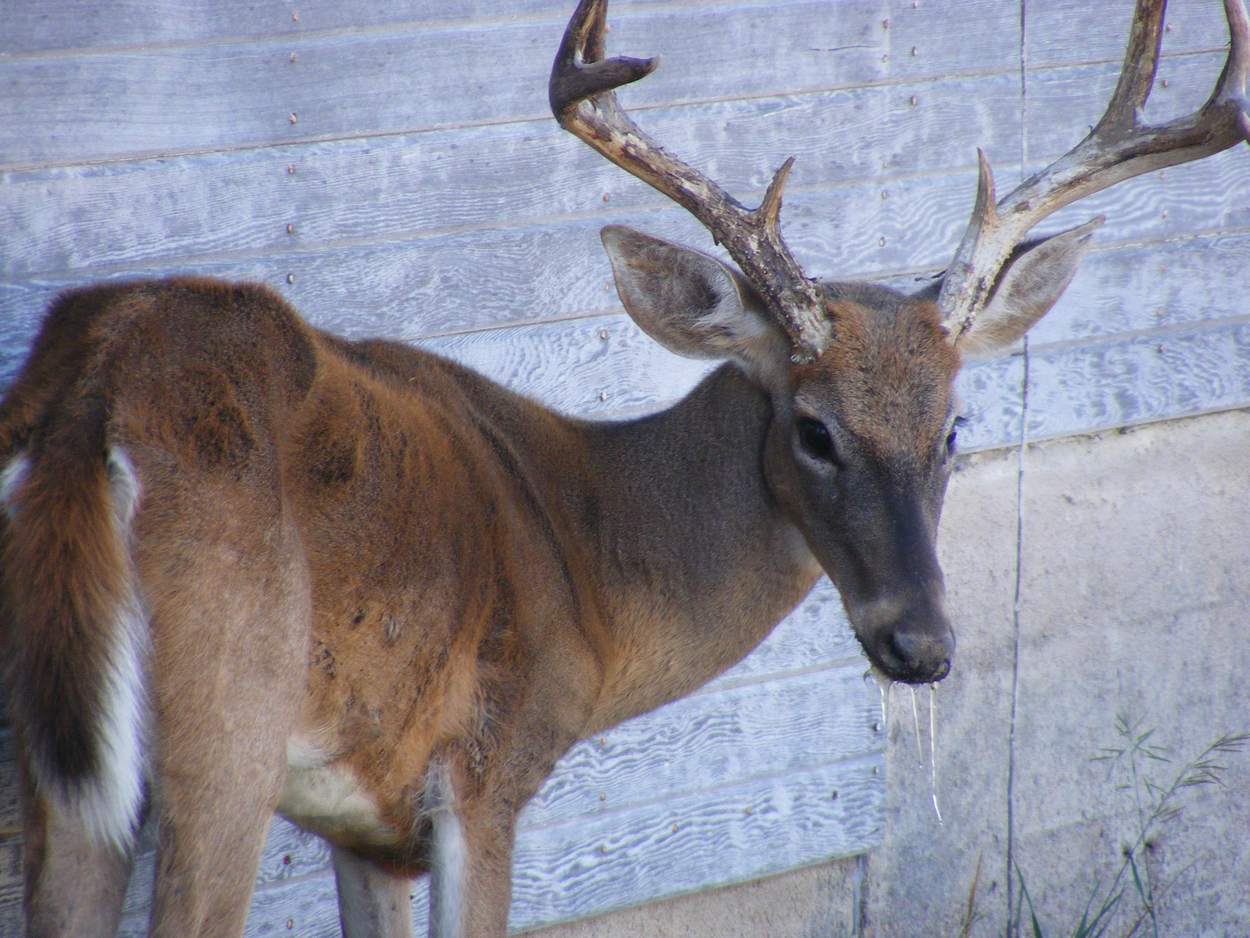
(696, 562)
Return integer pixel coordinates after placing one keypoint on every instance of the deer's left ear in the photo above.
(1031, 282)
(694, 305)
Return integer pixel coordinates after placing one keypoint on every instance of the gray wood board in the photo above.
(471, 280)
(106, 105)
(1067, 31)
(732, 833)
(1062, 103)
(358, 191)
(1129, 381)
(35, 28)
(1058, 30)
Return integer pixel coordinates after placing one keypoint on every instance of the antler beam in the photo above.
(1118, 148)
(583, 99)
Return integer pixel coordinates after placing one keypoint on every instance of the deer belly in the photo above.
(327, 799)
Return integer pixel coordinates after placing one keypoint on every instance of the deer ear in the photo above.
(693, 304)
(1032, 281)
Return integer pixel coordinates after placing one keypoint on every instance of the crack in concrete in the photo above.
(1021, 450)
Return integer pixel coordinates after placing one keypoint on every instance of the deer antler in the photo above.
(1118, 148)
(583, 99)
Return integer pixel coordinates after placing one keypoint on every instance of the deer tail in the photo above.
(77, 632)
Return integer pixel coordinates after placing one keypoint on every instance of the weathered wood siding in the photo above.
(392, 169)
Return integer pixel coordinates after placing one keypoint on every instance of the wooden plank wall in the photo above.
(392, 169)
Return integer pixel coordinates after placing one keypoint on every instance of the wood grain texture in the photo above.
(697, 841)
(165, 99)
(1138, 289)
(396, 188)
(388, 189)
(1123, 382)
(32, 28)
(1067, 31)
(1062, 103)
(578, 870)
(355, 83)
(741, 732)
(471, 280)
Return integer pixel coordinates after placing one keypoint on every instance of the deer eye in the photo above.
(815, 439)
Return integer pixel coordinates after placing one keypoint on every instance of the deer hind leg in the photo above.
(230, 638)
(74, 883)
(372, 902)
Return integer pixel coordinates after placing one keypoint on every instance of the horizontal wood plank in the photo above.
(656, 851)
(816, 634)
(699, 841)
(110, 105)
(351, 192)
(1066, 31)
(73, 218)
(11, 887)
(1141, 288)
(1137, 380)
(714, 738)
(33, 28)
(366, 83)
(1063, 103)
(470, 280)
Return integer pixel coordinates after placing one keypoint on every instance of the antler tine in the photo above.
(583, 99)
(1119, 147)
(1141, 63)
(580, 70)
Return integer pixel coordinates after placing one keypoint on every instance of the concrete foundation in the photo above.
(1134, 599)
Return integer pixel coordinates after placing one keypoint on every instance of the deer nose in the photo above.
(923, 656)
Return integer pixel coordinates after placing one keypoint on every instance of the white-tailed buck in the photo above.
(251, 567)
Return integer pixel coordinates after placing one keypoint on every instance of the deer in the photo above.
(251, 567)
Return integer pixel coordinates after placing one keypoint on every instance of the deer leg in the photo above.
(372, 902)
(216, 791)
(73, 884)
(230, 650)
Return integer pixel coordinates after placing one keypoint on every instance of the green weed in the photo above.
(1146, 772)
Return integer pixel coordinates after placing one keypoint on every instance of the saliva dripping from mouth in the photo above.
(933, 750)
(885, 687)
(915, 720)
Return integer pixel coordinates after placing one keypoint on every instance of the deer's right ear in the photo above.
(693, 304)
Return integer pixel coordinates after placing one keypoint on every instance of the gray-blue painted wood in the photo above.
(423, 192)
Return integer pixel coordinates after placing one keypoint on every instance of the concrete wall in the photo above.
(1134, 589)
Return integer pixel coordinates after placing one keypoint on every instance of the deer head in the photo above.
(860, 377)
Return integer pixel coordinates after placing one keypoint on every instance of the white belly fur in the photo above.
(328, 799)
